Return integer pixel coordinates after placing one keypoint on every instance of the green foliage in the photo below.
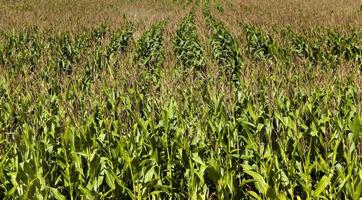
(149, 47)
(347, 47)
(224, 47)
(104, 57)
(71, 47)
(219, 6)
(1, 56)
(333, 48)
(68, 53)
(22, 50)
(119, 41)
(260, 45)
(187, 46)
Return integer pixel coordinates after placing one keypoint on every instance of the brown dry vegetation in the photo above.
(296, 13)
(75, 15)
(70, 15)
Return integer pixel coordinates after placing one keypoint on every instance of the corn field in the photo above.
(194, 112)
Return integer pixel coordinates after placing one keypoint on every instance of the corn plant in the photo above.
(68, 53)
(219, 6)
(98, 32)
(187, 46)
(224, 47)
(71, 47)
(1, 55)
(300, 47)
(149, 47)
(103, 57)
(260, 45)
(22, 49)
(345, 47)
(119, 41)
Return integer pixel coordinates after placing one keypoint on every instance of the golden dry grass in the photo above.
(74, 15)
(297, 13)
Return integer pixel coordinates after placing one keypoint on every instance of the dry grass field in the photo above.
(181, 99)
(72, 15)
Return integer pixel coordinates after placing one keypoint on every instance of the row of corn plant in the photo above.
(104, 57)
(22, 50)
(328, 46)
(187, 45)
(149, 55)
(345, 46)
(149, 50)
(72, 48)
(301, 47)
(260, 45)
(224, 48)
(322, 46)
(1, 55)
(219, 6)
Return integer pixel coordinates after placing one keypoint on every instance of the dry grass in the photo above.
(296, 13)
(74, 15)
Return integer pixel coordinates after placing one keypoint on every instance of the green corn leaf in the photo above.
(322, 184)
(57, 194)
(86, 193)
(260, 183)
(110, 180)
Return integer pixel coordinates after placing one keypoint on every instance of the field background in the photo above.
(73, 15)
(181, 99)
